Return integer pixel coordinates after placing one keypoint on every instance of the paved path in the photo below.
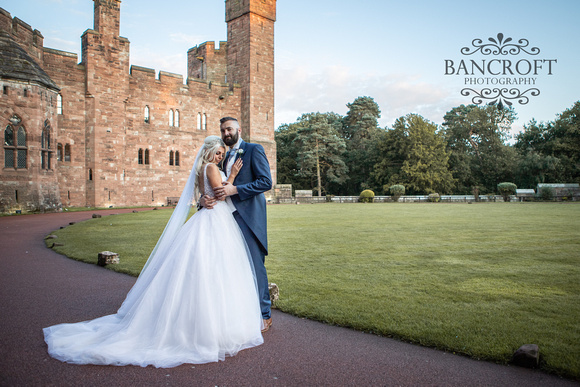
(39, 288)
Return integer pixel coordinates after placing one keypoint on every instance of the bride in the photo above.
(196, 299)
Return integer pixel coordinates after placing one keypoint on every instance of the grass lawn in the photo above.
(478, 279)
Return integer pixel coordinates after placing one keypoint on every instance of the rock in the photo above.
(527, 355)
(107, 258)
(71, 223)
(51, 236)
(97, 215)
(135, 211)
(274, 292)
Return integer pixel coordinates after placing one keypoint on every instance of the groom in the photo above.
(247, 196)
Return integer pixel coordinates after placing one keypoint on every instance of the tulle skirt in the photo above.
(198, 305)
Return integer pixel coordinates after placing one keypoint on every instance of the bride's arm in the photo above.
(214, 176)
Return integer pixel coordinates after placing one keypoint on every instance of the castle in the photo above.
(103, 133)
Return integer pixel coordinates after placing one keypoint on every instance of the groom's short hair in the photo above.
(225, 119)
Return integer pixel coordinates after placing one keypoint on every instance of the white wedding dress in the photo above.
(196, 304)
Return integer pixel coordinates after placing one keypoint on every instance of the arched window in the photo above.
(146, 156)
(15, 149)
(198, 121)
(59, 152)
(170, 157)
(140, 156)
(67, 153)
(45, 151)
(59, 104)
(170, 117)
(146, 114)
(90, 174)
(176, 118)
(177, 158)
(204, 122)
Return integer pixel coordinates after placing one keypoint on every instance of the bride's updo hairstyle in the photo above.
(210, 147)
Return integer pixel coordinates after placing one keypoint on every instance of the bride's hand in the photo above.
(236, 169)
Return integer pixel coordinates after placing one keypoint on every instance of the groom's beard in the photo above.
(231, 140)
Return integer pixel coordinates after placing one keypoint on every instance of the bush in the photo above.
(329, 198)
(434, 197)
(366, 196)
(506, 189)
(546, 193)
(397, 191)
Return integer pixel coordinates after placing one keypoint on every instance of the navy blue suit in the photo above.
(252, 181)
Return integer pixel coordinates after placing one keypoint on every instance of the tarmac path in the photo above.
(39, 288)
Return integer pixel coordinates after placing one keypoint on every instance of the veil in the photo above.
(174, 225)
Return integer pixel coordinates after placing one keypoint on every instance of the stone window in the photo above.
(146, 156)
(204, 122)
(198, 121)
(59, 104)
(45, 147)
(176, 118)
(146, 114)
(67, 153)
(174, 158)
(15, 149)
(59, 152)
(140, 156)
(171, 117)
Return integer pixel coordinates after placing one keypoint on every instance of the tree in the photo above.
(550, 150)
(319, 150)
(361, 133)
(476, 138)
(415, 155)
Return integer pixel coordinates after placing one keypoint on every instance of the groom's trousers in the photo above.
(258, 260)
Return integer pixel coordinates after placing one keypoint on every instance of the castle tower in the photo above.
(105, 56)
(250, 63)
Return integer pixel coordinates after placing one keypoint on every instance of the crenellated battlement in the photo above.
(208, 63)
(29, 39)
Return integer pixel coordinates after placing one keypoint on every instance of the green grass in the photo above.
(477, 279)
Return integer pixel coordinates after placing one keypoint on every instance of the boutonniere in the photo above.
(240, 152)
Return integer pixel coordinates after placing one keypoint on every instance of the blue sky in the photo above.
(328, 52)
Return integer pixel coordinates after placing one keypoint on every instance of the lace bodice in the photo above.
(208, 190)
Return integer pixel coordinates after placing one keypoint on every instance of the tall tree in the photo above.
(361, 133)
(319, 150)
(550, 150)
(415, 157)
(476, 137)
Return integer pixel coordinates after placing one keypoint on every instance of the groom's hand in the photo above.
(207, 202)
(230, 189)
(220, 193)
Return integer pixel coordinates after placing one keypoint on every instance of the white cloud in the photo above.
(301, 91)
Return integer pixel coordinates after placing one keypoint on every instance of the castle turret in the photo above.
(106, 62)
(250, 63)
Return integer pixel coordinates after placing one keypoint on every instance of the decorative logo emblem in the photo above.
(500, 64)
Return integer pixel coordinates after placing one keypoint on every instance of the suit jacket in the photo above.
(252, 181)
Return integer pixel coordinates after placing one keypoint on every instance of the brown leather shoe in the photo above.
(267, 324)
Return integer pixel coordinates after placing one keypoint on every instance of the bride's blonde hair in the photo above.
(211, 145)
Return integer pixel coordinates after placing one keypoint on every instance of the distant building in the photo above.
(105, 133)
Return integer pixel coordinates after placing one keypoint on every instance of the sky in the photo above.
(329, 52)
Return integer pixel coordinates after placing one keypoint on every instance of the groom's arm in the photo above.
(262, 181)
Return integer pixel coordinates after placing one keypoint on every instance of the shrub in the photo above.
(546, 193)
(329, 198)
(434, 197)
(397, 191)
(366, 196)
(506, 189)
